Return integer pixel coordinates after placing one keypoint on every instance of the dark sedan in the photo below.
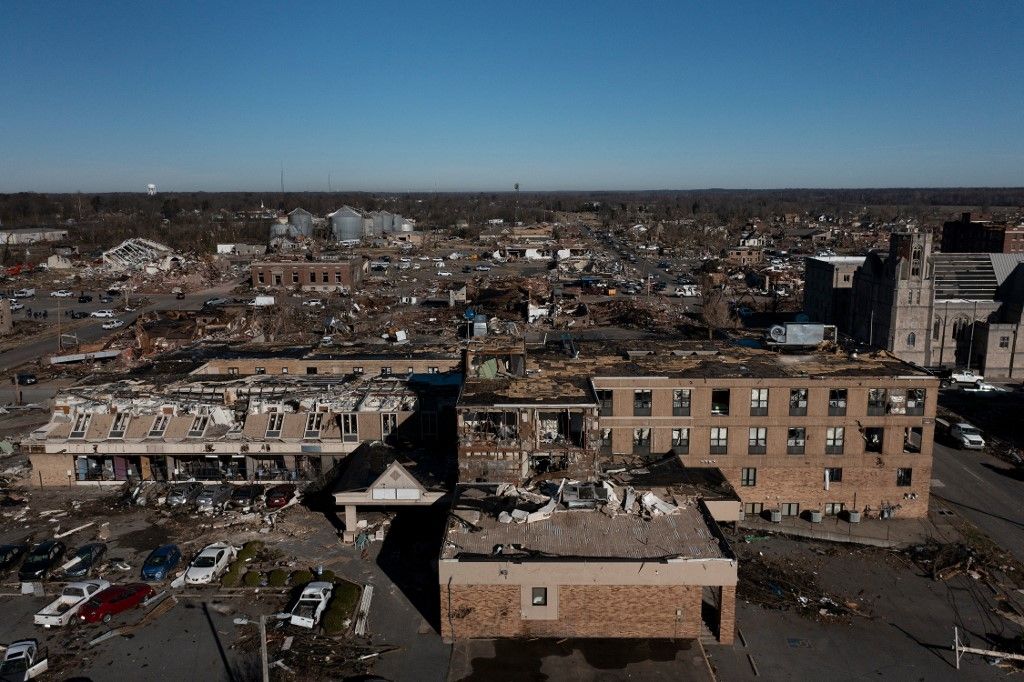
(247, 495)
(279, 495)
(10, 555)
(160, 562)
(43, 558)
(88, 557)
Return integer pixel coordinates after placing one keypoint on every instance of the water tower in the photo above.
(151, 189)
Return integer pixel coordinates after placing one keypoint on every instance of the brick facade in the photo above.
(626, 611)
(308, 275)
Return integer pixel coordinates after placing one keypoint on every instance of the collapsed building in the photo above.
(142, 254)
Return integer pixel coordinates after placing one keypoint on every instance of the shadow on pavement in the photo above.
(409, 558)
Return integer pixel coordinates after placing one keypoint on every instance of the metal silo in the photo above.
(347, 223)
(301, 221)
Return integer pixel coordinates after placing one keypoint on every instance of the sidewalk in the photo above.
(875, 532)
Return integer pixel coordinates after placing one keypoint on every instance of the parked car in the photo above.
(85, 298)
(113, 324)
(311, 604)
(279, 495)
(216, 301)
(106, 299)
(87, 556)
(247, 495)
(182, 494)
(23, 660)
(210, 563)
(62, 293)
(483, 268)
(213, 498)
(313, 303)
(62, 610)
(102, 313)
(24, 293)
(161, 562)
(443, 273)
(113, 600)
(27, 379)
(78, 314)
(43, 558)
(10, 555)
(15, 306)
(967, 436)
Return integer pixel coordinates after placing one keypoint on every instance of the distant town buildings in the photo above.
(31, 235)
(981, 236)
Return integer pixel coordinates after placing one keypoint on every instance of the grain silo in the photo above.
(346, 223)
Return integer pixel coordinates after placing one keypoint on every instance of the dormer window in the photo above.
(81, 426)
(159, 426)
(274, 425)
(198, 427)
(120, 425)
(314, 422)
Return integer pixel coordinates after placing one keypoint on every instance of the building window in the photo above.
(274, 423)
(681, 402)
(834, 440)
(606, 438)
(81, 425)
(874, 439)
(159, 426)
(796, 440)
(261, 370)
(349, 428)
(641, 441)
(834, 508)
(539, 596)
(758, 402)
(798, 402)
(284, 370)
(719, 440)
(1004, 341)
(312, 277)
(295, 276)
(314, 422)
(846, 278)
(232, 371)
(904, 477)
(337, 276)
(120, 425)
(911, 340)
(198, 427)
(833, 475)
(260, 279)
(915, 401)
(310, 369)
(837, 402)
(757, 440)
(277, 279)
(790, 508)
(912, 438)
(936, 330)
(432, 370)
(748, 477)
(641, 403)
(388, 424)
(324, 277)
(720, 401)
(385, 371)
(604, 398)
(681, 441)
(753, 508)
(357, 370)
(877, 400)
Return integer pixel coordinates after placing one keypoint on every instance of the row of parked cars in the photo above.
(217, 497)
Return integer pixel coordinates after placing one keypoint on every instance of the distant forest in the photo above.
(445, 209)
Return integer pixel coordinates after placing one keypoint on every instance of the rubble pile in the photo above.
(786, 584)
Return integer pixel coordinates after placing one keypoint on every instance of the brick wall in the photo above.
(629, 611)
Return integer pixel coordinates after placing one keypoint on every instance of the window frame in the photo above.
(758, 402)
(681, 440)
(798, 405)
(837, 405)
(681, 402)
(159, 426)
(796, 444)
(641, 406)
(275, 424)
(719, 443)
(720, 412)
(757, 440)
(748, 477)
(904, 477)
(835, 440)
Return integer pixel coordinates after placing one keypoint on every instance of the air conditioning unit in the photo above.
(853, 516)
(776, 516)
(815, 516)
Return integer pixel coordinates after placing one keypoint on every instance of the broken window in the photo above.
(904, 477)
(81, 425)
(312, 277)
(834, 440)
(720, 401)
(912, 439)
(915, 401)
(357, 370)
(757, 440)
(837, 402)
(681, 441)
(261, 370)
(641, 403)
(606, 438)
(120, 425)
(311, 369)
(798, 402)
(385, 371)
(159, 426)
(719, 440)
(641, 441)
(834, 474)
(501, 426)
(274, 423)
(681, 402)
(388, 424)
(796, 440)
(198, 427)
(604, 399)
(539, 596)
(260, 279)
(748, 477)
(758, 402)
(314, 422)
(877, 400)
(295, 276)
(349, 428)
(873, 439)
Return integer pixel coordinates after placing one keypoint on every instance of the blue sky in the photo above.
(107, 96)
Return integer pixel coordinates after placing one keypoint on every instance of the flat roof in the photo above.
(474, 531)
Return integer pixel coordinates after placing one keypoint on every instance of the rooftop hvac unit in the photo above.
(853, 516)
(776, 516)
(792, 335)
(815, 516)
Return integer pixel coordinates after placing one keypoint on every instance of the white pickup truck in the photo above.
(966, 436)
(62, 609)
(965, 376)
(23, 660)
(311, 605)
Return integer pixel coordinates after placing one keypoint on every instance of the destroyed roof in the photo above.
(365, 464)
(670, 474)
(475, 532)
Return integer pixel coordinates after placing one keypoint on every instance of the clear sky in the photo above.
(108, 96)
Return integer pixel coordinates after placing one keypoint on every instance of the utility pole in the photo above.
(263, 648)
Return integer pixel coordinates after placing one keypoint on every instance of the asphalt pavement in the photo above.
(985, 490)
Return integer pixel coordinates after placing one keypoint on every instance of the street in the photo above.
(983, 489)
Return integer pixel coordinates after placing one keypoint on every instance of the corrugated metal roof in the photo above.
(1004, 264)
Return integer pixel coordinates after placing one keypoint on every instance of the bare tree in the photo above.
(714, 307)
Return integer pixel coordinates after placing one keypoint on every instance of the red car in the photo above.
(113, 600)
